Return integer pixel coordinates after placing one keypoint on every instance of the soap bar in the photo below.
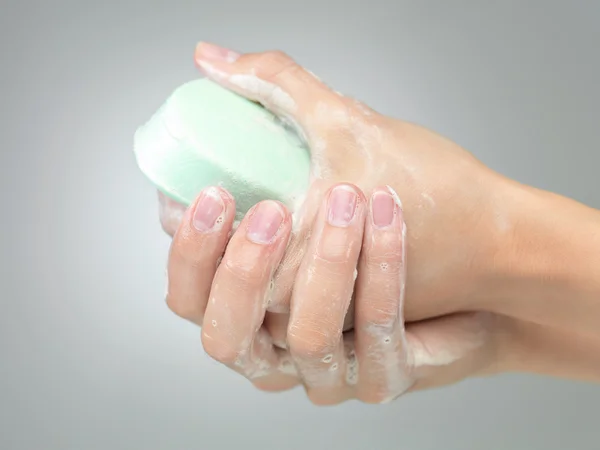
(205, 135)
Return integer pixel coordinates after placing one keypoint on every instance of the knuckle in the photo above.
(334, 257)
(313, 340)
(247, 274)
(185, 248)
(274, 64)
(379, 313)
(381, 317)
(387, 247)
(277, 56)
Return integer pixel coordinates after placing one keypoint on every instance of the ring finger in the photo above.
(383, 369)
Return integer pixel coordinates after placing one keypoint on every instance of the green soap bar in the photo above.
(205, 135)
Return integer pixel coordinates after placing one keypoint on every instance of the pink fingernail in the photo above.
(382, 209)
(264, 223)
(342, 206)
(209, 208)
(213, 52)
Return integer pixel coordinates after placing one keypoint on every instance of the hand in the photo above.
(376, 362)
(454, 205)
(469, 228)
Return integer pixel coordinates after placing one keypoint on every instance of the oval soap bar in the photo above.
(205, 135)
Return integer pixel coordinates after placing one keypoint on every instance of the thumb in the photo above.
(276, 81)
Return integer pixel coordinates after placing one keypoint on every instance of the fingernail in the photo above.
(213, 52)
(382, 209)
(209, 208)
(342, 206)
(264, 223)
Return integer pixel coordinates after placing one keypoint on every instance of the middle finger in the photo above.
(322, 294)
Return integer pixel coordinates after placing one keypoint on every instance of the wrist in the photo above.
(545, 267)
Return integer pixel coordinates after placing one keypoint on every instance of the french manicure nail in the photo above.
(209, 208)
(342, 206)
(213, 52)
(382, 209)
(264, 223)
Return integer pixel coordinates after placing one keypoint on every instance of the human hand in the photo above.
(486, 242)
(413, 356)
(376, 362)
(453, 203)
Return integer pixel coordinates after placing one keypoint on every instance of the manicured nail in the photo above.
(382, 209)
(264, 223)
(211, 52)
(209, 208)
(342, 206)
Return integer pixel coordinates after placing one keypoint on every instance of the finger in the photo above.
(283, 377)
(170, 213)
(346, 393)
(276, 383)
(285, 275)
(271, 78)
(384, 371)
(232, 332)
(195, 251)
(322, 294)
(320, 115)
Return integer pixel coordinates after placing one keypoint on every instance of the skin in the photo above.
(224, 284)
(482, 289)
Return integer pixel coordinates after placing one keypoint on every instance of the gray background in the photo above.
(90, 356)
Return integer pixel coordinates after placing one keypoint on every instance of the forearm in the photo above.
(547, 267)
(543, 350)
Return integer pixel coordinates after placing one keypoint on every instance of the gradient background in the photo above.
(91, 356)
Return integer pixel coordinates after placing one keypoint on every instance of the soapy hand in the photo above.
(273, 309)
(225, 284)
(449, 206)
(454, 212)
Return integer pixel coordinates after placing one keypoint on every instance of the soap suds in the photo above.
(287, 367)
(351, 368)
(363, 108)
(167, 282)
(428, 199)
(395, 196)
(320, 166)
